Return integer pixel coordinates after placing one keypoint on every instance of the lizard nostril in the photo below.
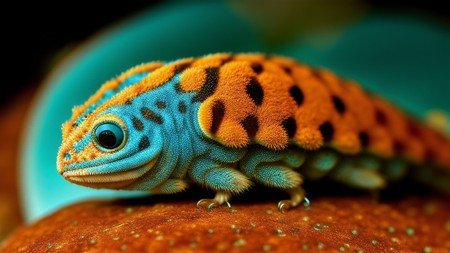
(67, 156)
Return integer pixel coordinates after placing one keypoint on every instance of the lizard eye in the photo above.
(109, 135)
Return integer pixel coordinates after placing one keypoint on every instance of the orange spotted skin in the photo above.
(275, 101)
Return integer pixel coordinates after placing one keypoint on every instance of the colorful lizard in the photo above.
(226, 121)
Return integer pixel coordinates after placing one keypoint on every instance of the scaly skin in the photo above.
(226, 121)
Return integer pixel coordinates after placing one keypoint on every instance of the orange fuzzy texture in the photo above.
(364, 118)
(257, 105)
(192, 79)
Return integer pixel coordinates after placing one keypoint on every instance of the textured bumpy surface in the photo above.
(332, 224)
(227, 122)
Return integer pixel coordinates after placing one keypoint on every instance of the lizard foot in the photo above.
(297, 196)
(221, 198)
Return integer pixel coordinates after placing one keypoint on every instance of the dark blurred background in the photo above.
(35, 34)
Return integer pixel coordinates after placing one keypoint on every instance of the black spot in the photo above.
(128, 102)
(160, 104)
(251, 126)
(138, 124)
(327, 131)
(152, 116)
(296, 94)
(208, 88)
(255, 91)
(364, 139)
(257, 68)
(228, 59)
(287, 70)
(338, 104)
(144, 143)
(182, 107)
(218, 112)
(380, 117)
(74, 125)
(290, 126)
(181, 67)
(178, 88)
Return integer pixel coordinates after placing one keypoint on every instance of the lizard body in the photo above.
(226, 121)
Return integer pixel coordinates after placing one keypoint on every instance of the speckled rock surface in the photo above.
(158, 224)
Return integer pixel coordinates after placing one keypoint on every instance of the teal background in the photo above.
(405, 58)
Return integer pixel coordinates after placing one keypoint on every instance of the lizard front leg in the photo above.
(221, 178)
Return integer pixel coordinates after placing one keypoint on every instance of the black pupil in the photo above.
(107, 139)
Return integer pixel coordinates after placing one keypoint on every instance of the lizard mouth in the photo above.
(82, 177)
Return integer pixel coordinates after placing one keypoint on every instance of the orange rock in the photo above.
(158, 224)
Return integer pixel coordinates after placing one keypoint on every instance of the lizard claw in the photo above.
(306, 202)
(220, 199)
(209, 204)
(297, 196)
(285, 205)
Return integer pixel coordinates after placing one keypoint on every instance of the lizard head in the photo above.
(105, 143)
